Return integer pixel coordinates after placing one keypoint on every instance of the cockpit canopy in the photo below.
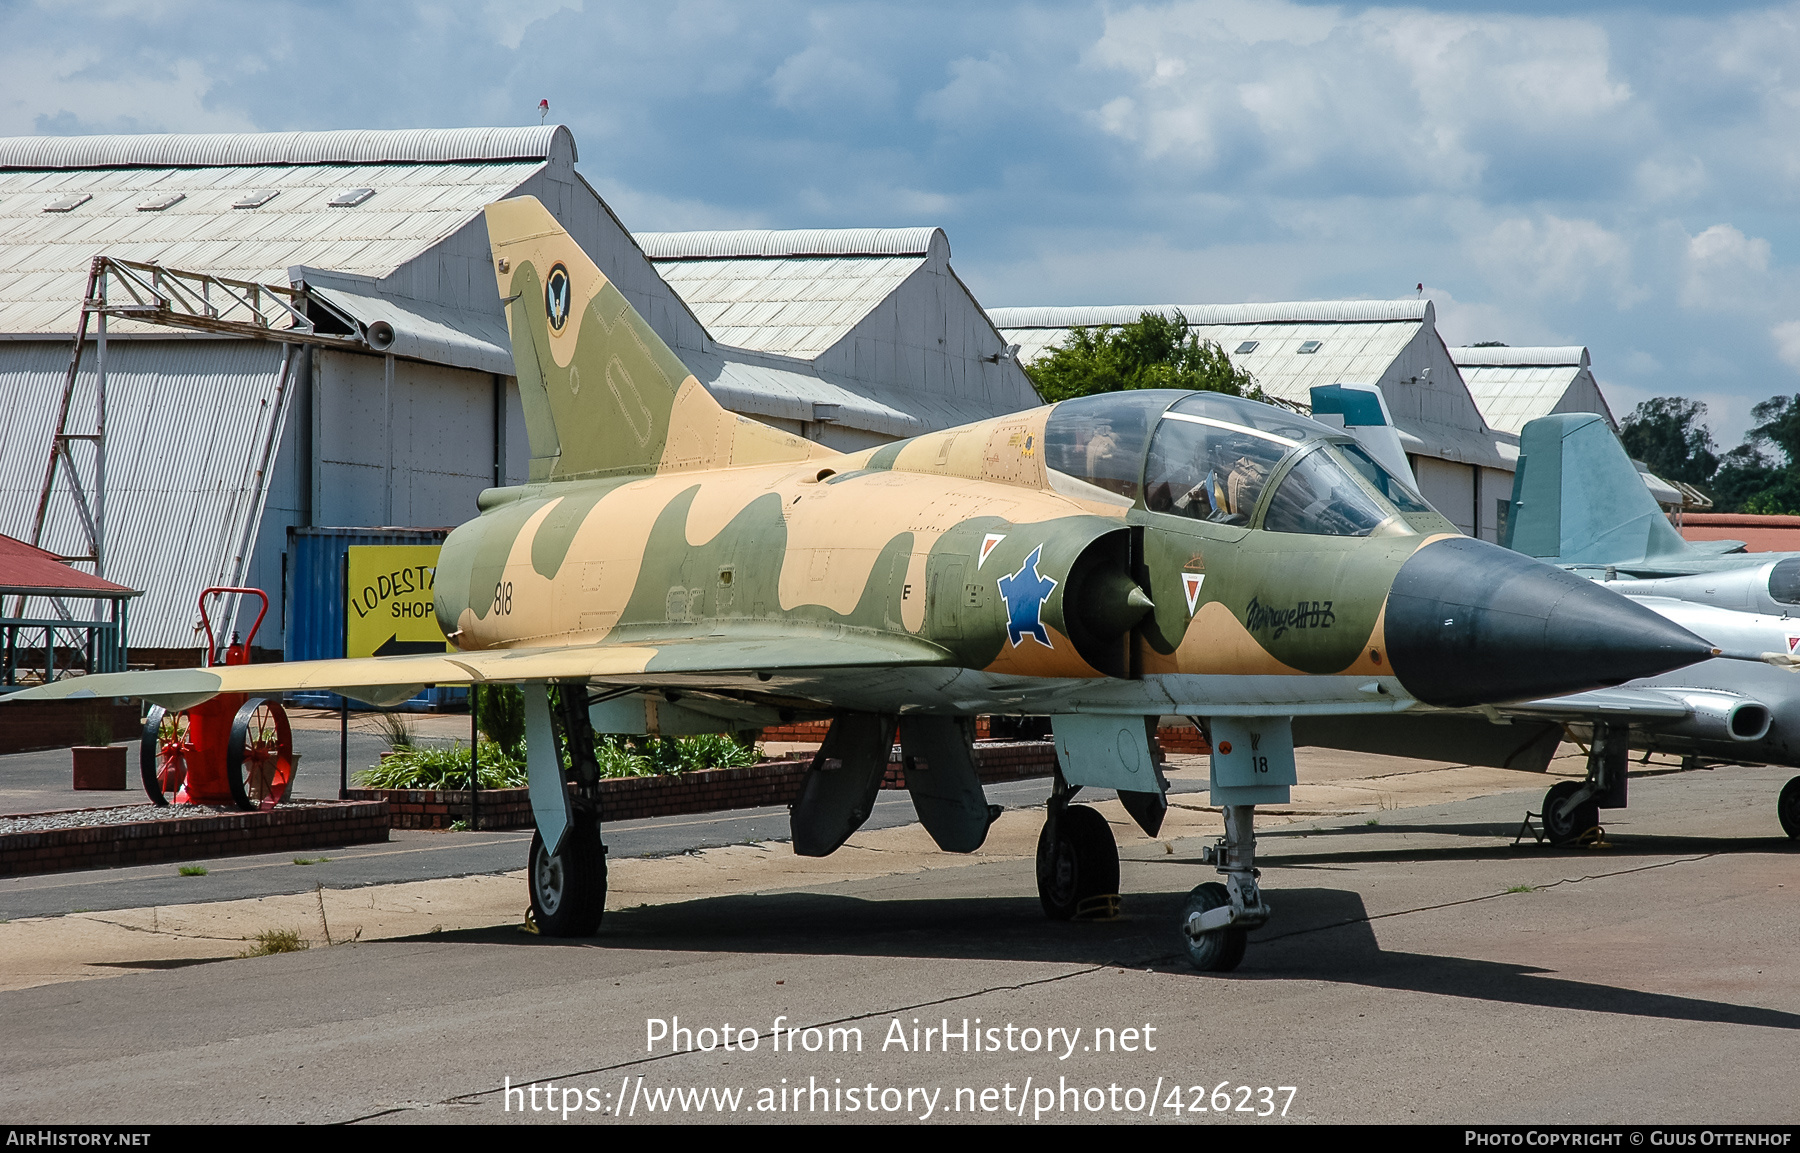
(1224, 459)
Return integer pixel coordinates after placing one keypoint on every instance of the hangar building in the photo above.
(849, 337)
(1513, 386)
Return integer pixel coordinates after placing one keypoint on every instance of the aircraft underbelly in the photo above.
(968, 692)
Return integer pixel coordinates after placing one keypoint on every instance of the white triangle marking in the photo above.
(987, 546)
(1190, 584)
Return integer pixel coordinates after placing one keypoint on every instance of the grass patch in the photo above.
(311, 860)
(193, 870)
(272, 941)
(1520, 889)
(459, 826)
(1373, 821)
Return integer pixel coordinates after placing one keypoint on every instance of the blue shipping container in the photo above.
(312, 616)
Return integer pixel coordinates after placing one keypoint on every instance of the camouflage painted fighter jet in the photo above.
(673, 567)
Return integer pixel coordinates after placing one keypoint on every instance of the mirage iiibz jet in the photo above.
(671, 566)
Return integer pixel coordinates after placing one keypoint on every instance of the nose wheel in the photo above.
(1216, 924)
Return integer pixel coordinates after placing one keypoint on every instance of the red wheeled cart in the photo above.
(234, 749)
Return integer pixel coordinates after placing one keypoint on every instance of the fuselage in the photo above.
(1139, 552)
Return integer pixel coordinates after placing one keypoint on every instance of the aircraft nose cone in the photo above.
(1472, 623)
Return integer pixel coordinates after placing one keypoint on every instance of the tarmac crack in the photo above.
(159, 932)
(1484, 897)
(471, 1098)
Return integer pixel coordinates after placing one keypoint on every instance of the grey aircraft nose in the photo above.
(1472, 623)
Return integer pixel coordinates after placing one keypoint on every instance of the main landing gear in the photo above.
(1572, 809)
(568, 885)
(1787, 807)
(1077, 861)
(1219, 917)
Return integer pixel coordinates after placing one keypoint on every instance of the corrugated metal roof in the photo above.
(718, 244)
(1573, 355)
(44, 256)
(796, 306)
(1357, 350)
(1511, 396)
(241, 149)
(1282, 312)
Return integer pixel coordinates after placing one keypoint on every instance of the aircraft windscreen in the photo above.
(1252, 414)
(1318, 496)
(1100, 439)
(1784, 581)
(1396, 490)
(1209, 470)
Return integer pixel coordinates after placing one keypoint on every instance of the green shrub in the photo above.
(424, 767)
(500, 713)
(448, 768)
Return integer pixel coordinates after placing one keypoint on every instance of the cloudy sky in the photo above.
(1619, 175)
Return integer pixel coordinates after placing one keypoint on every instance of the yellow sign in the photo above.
(388, 606)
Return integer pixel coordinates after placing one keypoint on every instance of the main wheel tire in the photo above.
(163, 754)
(1220, 950)
(1566, 830)
(259, 761)
(1787, 807)
(568, 890)
(1078, 863)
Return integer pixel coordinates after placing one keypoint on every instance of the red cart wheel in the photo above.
(259, 761)
(164, 753)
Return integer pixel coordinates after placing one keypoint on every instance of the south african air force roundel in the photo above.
(556, 297)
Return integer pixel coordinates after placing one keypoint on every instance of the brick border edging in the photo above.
(323, 824)
(634, 798)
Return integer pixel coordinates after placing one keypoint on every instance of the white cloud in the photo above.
(509, 20)
(1725, 269)
(83, 91)
(1384, 95)
(1559, 259)
(1787, 341)
(824, 76)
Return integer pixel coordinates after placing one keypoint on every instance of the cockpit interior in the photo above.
(1214, 457)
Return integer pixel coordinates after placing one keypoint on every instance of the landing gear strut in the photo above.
(1571, 809)
(1077, 860)
(567, 879)
(1219, 917)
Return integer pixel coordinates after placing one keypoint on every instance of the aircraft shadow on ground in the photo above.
(1319, 935)
(1620, 846)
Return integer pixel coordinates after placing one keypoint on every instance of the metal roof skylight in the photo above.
(158, 203)
(256, 198)
(73, 200)
(350, 197)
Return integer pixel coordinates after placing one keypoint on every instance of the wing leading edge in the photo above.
(390, 680)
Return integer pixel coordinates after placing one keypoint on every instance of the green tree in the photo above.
(1153, 351)
(1668, 433)
(1762, 475)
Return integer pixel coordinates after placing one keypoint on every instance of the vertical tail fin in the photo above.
(603, 395)
(1578, 499)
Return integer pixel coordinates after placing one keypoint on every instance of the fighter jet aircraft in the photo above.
(1579, 502)
(1104, 560)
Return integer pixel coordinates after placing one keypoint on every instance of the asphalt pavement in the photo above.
(1419, 967)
